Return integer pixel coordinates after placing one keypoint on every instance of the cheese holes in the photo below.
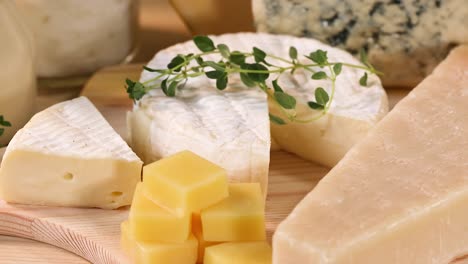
(68, 176)
(116, 194)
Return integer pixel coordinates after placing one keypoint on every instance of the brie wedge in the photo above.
(231, 128)
(68, 155)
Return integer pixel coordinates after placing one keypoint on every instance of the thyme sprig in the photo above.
(3, 125)
(254, 68)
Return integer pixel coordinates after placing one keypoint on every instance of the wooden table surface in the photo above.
(160, 27)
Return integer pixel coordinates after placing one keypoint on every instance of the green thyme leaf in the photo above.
(256, 76)
(175, 63)
(293, 53)
(214, 65)
(200, 61)
(315, 105)
(246, 80)
(224, 50)
(214, 74)
(319, 56)
(127, 81)
(135, 90)
(222, 81)
(321, 96)
(3, 122)
(171, 90)
(363, 57)
(319, 75)
(259, 55)
(2, 130)
(363, 80)
(276, 120)
(337, 68)
(237, 58)
(164, 86)
(285, 100)
(276, 86)
(153, 70)
(204, 43)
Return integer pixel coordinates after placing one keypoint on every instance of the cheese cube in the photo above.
(239, 252)
(198, 233)
(149, 222)
(185, 183)
(240, 217)
(157, 252)
(127, 242)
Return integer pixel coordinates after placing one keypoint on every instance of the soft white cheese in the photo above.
(68, 155)
(210, 122)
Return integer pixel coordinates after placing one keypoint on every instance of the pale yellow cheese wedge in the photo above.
(151, 223)
(240, 253)
(240, 217)
(158, 252)
(198, 233)
(184, 183)
(400, 195)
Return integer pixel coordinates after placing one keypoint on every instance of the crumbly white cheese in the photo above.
(405, 39)
(68, 155)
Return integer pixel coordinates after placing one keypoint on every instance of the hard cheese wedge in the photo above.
(240, 252)
(184, 183)
(401, 195)
(239, 217)
(68, 155)
(151, 223)
(151, 253)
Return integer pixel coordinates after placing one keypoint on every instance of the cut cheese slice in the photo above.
(68, 155)
(231, 128)
(399, 196)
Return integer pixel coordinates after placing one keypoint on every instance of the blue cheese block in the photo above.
(404, 39)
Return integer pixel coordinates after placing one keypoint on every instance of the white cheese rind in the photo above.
(404, 39)
(239, 116)
(401, 194)
(68, 155)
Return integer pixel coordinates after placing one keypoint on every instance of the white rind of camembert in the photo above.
(68, 155)
(231, 128)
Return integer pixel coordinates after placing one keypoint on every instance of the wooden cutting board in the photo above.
(94, 234)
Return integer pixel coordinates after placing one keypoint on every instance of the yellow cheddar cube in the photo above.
(151, 223)
(127, 242)
(185, 183)
(240, 217)
(202, 243)
(239, 252)
(158, 252)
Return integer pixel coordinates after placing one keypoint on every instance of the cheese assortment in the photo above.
(401, 195)
(68, 155)
(231, 128)
(155, 235)
(404, 39)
